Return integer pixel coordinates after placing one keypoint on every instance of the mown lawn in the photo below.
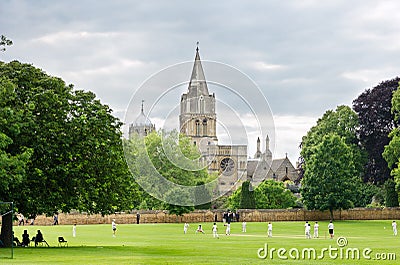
(166, 244)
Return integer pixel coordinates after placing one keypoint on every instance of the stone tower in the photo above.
(197, 117)
(142, 125)
(198, 120)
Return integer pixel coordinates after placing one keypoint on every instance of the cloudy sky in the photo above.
(305, 56)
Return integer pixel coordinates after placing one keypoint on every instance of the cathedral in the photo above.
(198, 121)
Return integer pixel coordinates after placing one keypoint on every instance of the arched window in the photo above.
(205, 127)
(197, 128)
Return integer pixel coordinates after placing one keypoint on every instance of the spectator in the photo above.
(25, 239)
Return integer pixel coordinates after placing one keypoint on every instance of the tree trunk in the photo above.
(6, 230)
(331, 212)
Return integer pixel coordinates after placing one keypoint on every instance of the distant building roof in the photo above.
(142, 119)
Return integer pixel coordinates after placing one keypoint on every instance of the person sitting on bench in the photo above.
(39, 238)
(25, 239)
(16, 240)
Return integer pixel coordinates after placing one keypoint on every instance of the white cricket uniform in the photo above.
(269, 230)
(228, 229)
(215, 231)
(316, 228)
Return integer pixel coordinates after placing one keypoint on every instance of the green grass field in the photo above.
(166, 244)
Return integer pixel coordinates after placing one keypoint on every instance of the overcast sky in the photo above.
(305, 56)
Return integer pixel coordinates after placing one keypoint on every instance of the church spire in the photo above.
(267, 144)
(197, 84)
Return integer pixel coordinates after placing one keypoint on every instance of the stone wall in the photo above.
(201, 216)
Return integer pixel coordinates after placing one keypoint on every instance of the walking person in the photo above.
(330, 228)
(114, 227)
(21, 219)
(55, 218)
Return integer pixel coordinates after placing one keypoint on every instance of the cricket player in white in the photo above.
(228, 229)
(114, 227)
(215, 231)
(269, 229)
(394, 226)
(244, 226)
(307, 231)
(316, 228)
(185, 228)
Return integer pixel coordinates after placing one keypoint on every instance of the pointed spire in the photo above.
(267, 144)
(258, 144)
(198, 84)
(142, 105)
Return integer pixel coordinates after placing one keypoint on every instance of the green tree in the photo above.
(75, 155)
(178, 210)
(373, 108)
(330, 176)
(391, 151)
(365, 193)
(247, 198)
(203, 194)
(163, 157)
(342, 122)
(271, 194)
(391, 195)
(234, 199)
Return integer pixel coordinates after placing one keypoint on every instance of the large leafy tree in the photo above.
(342, 122)
(271, 194)
(330, 179)
(392, 150)
(373, 107)
(163, 157)
(74, 144)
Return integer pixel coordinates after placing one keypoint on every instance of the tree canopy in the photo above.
(162, 158)
(62, 146)
(271, 194)
(342, 122)
(392, 150)
(376, 122)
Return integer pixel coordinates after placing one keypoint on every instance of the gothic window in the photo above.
(197, 128)
(205, 127)
(201, 104)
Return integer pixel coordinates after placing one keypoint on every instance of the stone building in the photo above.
(262, 166)
(198, 121)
